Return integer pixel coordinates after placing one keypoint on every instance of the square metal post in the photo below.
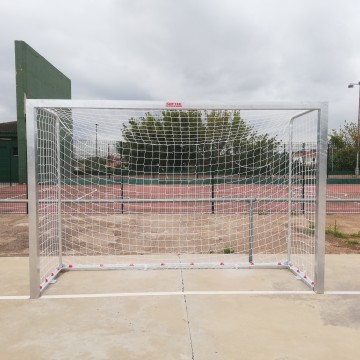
(58, 170)
(321, 199)
(33, 201)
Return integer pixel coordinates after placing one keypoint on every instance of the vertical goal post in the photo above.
(165, 185)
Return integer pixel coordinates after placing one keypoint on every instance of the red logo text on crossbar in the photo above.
(173, 104)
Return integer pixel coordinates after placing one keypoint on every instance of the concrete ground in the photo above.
(188, 314)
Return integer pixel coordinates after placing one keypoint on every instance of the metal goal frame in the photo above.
(37, 286)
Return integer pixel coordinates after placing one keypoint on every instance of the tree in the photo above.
(343, 146)
(194, 142)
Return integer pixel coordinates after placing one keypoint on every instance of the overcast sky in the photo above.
(225, 50)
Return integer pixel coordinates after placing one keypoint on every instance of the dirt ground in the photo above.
(348, 225)
(14, 234)
(14, 240)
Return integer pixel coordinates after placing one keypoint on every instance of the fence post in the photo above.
(10, 163)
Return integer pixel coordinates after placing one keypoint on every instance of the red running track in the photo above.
(166, 192)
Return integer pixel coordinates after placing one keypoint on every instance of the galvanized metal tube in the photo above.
(321, 199)
(139, 201)
(32, 168)
(251, 229)
(290, 199)
(24, 201)
(58, 170)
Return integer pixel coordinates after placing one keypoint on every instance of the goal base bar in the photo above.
(177, 266)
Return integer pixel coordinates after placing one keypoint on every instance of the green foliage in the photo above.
(334, 231)
(92, 165)
(352, 242)
(228, 250)
(343, 146)
(95, 165)
(348, 238)
(193, 142)
(310, 230)
(345, 137)
(356, 235)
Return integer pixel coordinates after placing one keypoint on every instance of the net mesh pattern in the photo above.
(170, 187)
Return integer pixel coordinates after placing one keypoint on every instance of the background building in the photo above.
(9, 170)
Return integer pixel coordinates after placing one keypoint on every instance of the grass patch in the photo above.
(348, 238)
(310, 230)
(336, 232)
(352, 242)
(228, 250)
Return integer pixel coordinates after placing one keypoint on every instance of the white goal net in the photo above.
(144, 185)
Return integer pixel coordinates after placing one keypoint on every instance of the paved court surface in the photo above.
(174, 314)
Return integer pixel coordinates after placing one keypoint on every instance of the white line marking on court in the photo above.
(15, 297)
(342, 292)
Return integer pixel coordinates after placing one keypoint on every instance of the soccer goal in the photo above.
(166, 185)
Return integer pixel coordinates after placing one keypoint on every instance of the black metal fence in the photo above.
(342, 191)
(13, 198)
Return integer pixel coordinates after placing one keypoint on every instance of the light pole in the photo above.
(351, 85)
(96, 142)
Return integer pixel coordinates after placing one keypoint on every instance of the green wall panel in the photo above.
(8, 161)
(36, 78)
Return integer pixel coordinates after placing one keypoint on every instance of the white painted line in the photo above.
(250, 292)
(15, 297)
(342, 292)
(110, 295)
